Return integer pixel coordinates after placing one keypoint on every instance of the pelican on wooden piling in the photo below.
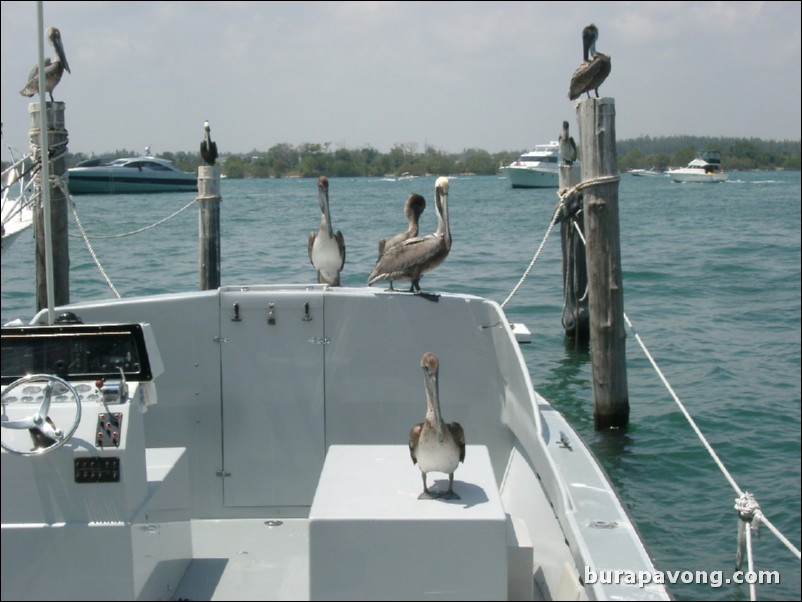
(326, 248)
(208, 148)
(594, 69)
(567, 146)
(413, 208)
(410, 259)
(436, 445)
(54, 68)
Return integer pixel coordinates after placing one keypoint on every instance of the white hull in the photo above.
(531, 177)
(16, 226)
(277, 464)
(705, 168)
(694, 175)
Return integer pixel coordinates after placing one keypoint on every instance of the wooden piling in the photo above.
(596, 118)
(59, 208)
(209, 225)
(575, 274)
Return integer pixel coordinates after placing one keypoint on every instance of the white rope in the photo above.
(565, 194)
(63, 186)
(158, 223)
(746, 505)
(757, 514)
(537, 254)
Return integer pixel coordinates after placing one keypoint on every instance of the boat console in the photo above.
(87, 491)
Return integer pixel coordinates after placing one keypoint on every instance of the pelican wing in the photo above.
(408, 259)
(589, 76)
(414, 437)
(459, 437)
(310, 244)
(341, 245)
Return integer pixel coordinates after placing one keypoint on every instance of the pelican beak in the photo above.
(60, 52)
(432, 389)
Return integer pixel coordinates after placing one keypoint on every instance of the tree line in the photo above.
(311, 159)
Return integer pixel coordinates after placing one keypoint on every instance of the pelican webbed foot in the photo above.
(428, 296)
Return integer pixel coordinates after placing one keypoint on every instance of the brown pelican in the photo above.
(54, 69)
(208, 148)
(409, 259)
(594, 69)
(567, 146)
(435, 445)
(326, 249)
(413, 208)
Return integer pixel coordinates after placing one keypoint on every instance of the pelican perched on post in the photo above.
(54, 68)
(326, 249)
(413, 208)
(567, 146)
(410, 259)
(436, 445)
(208, 148)
(594, 69)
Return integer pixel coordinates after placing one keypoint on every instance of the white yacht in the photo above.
(706, 167)
(538, 168)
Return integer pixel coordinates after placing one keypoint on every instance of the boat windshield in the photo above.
(79, 352)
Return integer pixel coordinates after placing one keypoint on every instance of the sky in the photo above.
(447, 75)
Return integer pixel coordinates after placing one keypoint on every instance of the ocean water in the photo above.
(711, 278)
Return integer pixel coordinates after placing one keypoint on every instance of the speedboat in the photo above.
(249, 442)
(129, 175)
(706, 167)
(650, 173)
(538, 168)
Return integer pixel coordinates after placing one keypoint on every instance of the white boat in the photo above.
(129, 175)
(706, 167)
(17, 207)
(250, 443)
(649, 173)
(538, 168)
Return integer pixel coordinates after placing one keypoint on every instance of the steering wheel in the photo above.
(45, 434)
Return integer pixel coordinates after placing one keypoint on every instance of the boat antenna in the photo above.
(44, 187)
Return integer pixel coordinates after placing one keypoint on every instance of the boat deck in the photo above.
(248, 559)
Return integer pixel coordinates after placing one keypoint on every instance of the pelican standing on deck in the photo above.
(567, 146)
(326, 249)
(208, 148)
(413, 208)
(436, 445)
(594, 69)
(54, 69)
(410, 259)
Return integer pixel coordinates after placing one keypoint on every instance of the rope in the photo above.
(745, 504)
(557, 213)
(124, 234)
(567, 196)
(63, 186)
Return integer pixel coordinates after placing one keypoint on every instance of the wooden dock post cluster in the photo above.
(575, 273)
(596, 119)
(209, 225)
(56, 216)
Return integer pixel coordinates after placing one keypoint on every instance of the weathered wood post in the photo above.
(57, 251)
(575, 274)
(596, 118)
(209, 225)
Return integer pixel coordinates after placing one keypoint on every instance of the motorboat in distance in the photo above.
(129, 175)
(706, 167)
(538, 168)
